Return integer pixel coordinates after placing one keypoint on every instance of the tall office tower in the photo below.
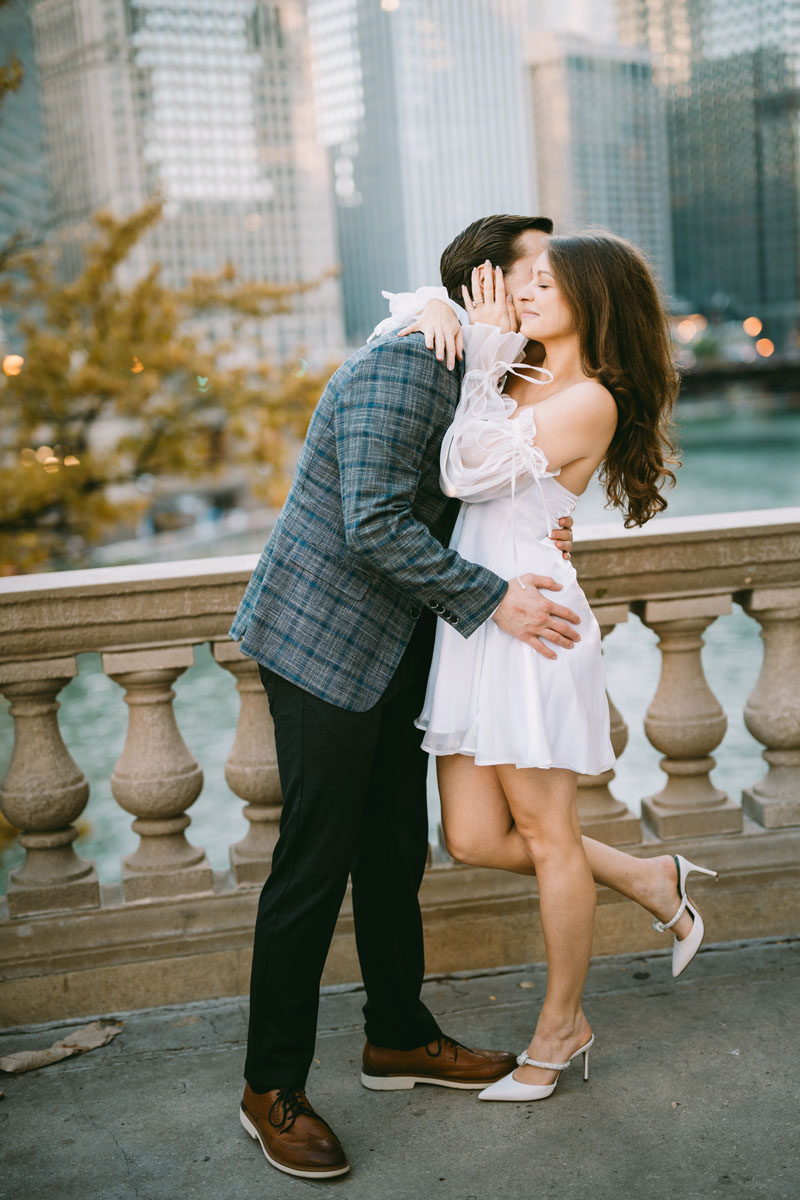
(424, 106)
(207, 102)
(730, 73)
(596, 19)
(23, 182)
(601, 143)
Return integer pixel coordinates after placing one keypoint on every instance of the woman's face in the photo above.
(541, 307)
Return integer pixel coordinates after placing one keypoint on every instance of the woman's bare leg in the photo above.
(544, 807)
(477, 822)
(480, 830)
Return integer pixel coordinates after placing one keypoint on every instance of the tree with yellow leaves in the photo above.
(113, 384)
(10, 71)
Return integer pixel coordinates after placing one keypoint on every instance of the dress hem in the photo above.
(520, 766)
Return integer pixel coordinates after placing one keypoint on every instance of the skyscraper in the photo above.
(207, 102)
(23, 182)
(425, 108)
(601, 141)
(730, 73)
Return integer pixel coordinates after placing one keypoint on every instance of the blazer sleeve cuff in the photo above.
(470, 612)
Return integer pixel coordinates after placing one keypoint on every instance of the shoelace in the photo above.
(291, 1103)
(443, 1043)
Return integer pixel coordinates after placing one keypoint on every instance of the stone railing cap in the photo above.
(203, 571)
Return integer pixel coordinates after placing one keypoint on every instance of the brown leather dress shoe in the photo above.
(443, 1062)
(293, 1137)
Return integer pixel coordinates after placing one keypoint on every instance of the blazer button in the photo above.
(414, 613)
(454, 621)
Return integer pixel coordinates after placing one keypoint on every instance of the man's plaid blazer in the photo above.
(361, 542)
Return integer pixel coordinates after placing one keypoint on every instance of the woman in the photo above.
(513, 725)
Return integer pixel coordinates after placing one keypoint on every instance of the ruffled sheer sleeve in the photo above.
(485, 454)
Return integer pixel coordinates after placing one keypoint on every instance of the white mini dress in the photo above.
(491, 696)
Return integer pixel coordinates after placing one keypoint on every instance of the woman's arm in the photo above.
(442, 330)
(408, 307)
(578, 423)
(484, 453)
(445, 334)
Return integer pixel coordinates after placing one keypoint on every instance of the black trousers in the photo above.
(354, 803)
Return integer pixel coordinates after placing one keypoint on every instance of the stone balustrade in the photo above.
(173, 929)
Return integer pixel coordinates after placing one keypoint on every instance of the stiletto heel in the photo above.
(684, 949)
(510, 1088)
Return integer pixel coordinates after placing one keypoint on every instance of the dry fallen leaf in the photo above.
(526, 984)
(89, 1037)
(493, 997)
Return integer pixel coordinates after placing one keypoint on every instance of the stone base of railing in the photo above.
(173, 950)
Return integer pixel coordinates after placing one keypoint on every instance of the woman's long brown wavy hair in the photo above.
(625, 344)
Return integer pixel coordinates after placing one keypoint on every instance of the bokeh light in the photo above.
(12, 364)
(752, 326)
(686, 330)
(765, 347)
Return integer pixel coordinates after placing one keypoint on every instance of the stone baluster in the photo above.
(43, 793)
(156, 777)
(601, 815)
(686, 722)
(252, 768)
(772, 714)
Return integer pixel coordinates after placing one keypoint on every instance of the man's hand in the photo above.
(528, 615)
(563, 536)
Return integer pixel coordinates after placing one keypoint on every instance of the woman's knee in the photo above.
(463, 848)
(472, 849)
(545, 840)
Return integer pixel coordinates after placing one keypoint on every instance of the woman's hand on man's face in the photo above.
(488, 303)
(442, 330)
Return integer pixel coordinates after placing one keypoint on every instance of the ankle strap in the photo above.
(663, 926)
(524, 1061)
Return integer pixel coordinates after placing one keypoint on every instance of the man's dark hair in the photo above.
(495, 238)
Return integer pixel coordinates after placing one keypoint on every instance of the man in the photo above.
(340, 615)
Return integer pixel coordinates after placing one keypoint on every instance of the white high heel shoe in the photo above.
(509, 1088)
(684, 949)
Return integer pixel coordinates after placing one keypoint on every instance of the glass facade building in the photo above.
(23, 179)
(207, 103)
(601, 141)
(425, 108)
(730, 74)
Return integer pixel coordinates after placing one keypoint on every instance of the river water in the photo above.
(736, 457)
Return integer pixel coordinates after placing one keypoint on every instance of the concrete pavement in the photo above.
(693, 1096)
